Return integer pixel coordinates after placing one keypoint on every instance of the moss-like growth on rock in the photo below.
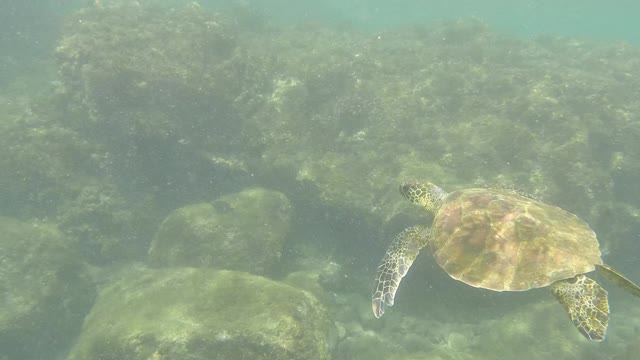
(241, 231)
(45, 290)
(185, 313)
(108, 228)
(43, 164)
(168, 91)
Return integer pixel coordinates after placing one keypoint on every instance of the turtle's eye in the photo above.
(411, 191)
(404, 188)
(415, 193)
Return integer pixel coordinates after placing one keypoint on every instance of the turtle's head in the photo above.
(426, 195)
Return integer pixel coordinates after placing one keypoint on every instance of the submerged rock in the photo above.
(241, 231)
(542, 328)
(187, 313)
(45, 291)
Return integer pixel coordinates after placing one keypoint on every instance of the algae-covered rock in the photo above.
(541, 328)
(168, 78)
(45, 291)
(133, 57)
(187, 313)
(308, 280)
(42, 165)
(107, 227)
(165, 89)
(241, 231)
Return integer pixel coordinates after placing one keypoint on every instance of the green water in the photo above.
(223, 147)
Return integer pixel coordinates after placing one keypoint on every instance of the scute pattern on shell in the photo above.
(503, 241)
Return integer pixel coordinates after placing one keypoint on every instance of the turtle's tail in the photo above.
(617, 278)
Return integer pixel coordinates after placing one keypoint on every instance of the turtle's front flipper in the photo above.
(587, 305)
(617, 278)
(395, 264)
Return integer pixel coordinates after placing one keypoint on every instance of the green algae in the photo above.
(46, 289)
(182, 312)
(241, 231)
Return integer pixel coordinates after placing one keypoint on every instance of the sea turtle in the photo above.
(504, 241)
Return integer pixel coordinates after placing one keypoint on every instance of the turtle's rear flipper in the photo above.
(586, 303)
(394, 266)
(617, 278)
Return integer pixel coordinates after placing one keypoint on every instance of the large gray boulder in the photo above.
(241, 231)
(199, 313)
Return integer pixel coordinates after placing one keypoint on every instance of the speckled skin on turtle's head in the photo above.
(426, 195)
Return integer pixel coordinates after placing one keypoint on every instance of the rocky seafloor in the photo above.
(198, 185)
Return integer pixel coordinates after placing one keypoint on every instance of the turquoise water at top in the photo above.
(602, 20)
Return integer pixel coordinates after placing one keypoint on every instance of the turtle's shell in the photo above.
(507, 242)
